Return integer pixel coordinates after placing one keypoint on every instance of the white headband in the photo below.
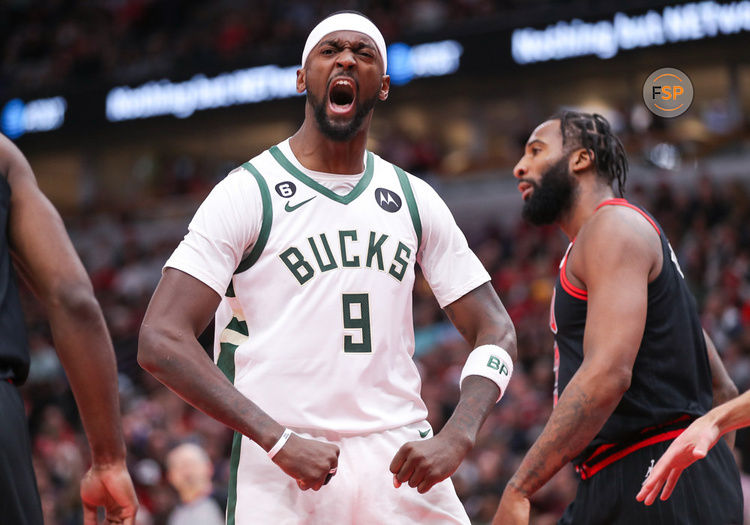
(345, 22)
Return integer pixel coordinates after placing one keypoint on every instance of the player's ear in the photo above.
(581, 160)
(301, 80)
(385, 87)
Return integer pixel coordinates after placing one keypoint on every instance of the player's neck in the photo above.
(317, 152)
(590, 194)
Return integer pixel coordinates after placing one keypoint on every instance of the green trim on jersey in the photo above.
(234, 463)
(226, 365)
(238, 326)
(265, 227)
(304, 179)
(226, 360)
(403, 178)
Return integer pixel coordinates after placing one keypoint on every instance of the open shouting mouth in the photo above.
(342, 93)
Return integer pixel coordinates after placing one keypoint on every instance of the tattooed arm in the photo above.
(612, 336)
(481, 319)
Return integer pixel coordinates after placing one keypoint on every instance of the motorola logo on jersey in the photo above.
(388, 200)
(286, 189)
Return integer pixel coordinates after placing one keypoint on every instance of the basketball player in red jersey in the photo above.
(633, 366)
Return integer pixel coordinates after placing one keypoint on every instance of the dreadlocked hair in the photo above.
(593, 132)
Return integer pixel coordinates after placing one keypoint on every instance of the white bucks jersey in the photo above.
(316, 322)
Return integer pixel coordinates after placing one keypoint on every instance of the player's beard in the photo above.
(553, 196)
(337, 130)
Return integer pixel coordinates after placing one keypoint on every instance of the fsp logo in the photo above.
(388, 200)
(668, 92)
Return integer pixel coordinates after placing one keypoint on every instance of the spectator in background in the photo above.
(189, 471)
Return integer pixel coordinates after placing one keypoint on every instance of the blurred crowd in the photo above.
(709, 227)
(48, 43)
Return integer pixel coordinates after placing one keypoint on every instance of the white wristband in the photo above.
(492, 362)
(280, 443)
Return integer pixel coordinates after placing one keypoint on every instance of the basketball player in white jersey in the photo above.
(305, 255)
